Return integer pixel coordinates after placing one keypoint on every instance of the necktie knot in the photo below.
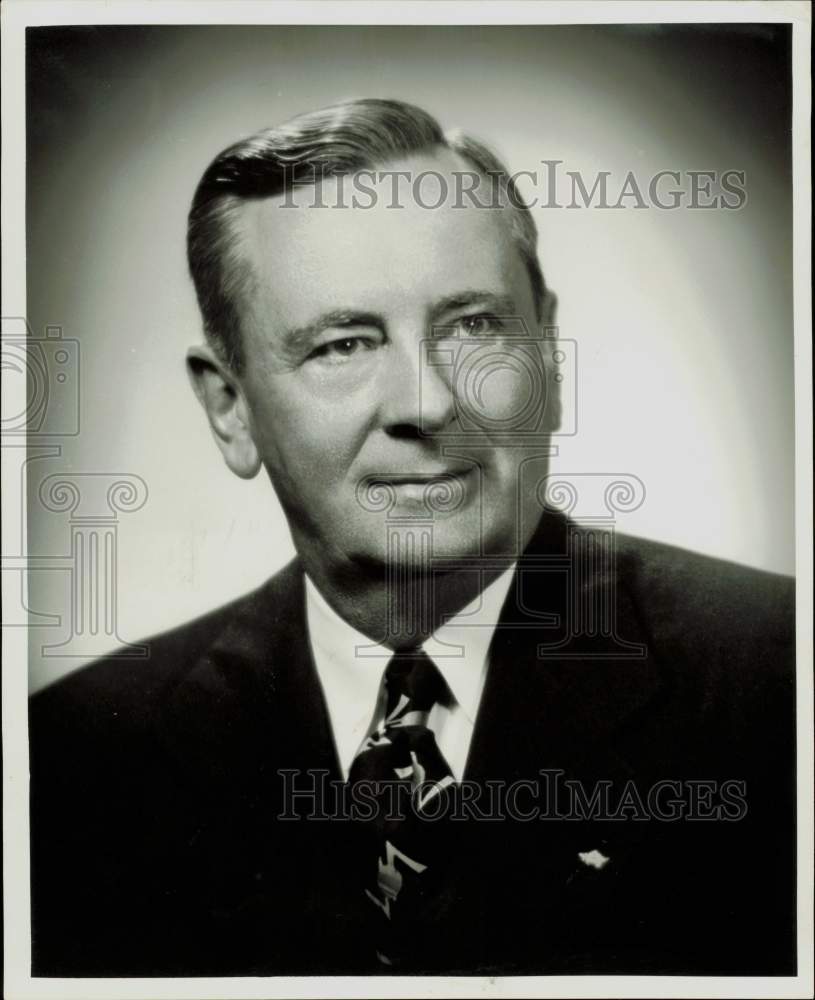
(413, 683)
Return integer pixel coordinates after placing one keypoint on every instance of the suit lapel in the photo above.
(271, 893)
(550, 695)
(254, 695)
(548, 704)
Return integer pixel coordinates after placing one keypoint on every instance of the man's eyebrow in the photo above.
(328, 320)
(496, 302)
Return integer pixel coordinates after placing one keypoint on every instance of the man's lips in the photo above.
(418, 478)
(441, 491)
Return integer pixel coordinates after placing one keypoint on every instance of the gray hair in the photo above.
(338, 140)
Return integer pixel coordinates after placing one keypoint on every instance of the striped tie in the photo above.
(404, 846)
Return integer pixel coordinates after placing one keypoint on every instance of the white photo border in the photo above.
(19, 14)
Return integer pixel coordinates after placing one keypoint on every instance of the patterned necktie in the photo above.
(404, 846)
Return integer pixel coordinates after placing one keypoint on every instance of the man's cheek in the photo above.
(501, 396)
(514, 393)
(324, 460)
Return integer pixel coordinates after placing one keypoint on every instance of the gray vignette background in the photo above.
(683, 318)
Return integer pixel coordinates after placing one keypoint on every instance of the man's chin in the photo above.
(417, 545)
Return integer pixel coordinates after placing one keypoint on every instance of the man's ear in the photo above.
(554, 401)
(219, 392)
(549, 308)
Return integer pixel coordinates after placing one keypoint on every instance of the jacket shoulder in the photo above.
(133, 686)
(672, 581)
(702, 609)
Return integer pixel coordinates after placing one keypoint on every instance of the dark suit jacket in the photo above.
(156, 788)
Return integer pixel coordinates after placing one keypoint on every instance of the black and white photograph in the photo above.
(407, 499)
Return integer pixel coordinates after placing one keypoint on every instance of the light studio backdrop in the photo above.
(682, 316)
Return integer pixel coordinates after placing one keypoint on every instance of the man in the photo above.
(588, 741)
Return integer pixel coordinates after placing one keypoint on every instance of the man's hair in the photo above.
(342, 139)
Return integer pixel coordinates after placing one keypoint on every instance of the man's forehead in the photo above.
(424, 185)
(337, 237)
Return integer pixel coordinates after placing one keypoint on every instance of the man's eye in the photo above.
(480, 325)
(338, 351)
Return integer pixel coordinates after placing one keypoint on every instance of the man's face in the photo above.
(352, 422)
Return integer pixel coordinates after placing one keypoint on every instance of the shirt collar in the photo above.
(350, 669)
(460, 646)
(351, 666)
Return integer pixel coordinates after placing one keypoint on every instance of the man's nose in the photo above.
(416, 397)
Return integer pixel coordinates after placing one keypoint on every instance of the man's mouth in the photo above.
(420, 478)
(437, 490)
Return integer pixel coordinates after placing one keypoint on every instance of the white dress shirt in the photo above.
(351, 670)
